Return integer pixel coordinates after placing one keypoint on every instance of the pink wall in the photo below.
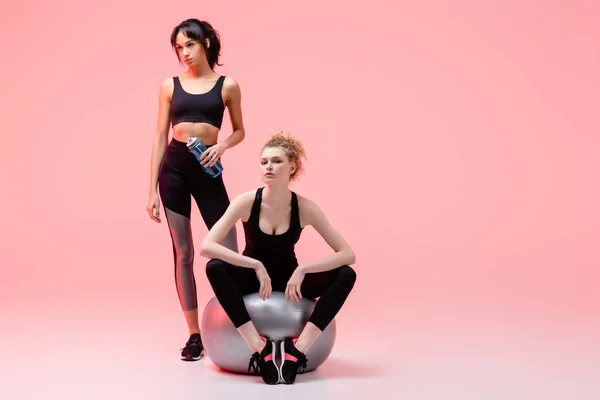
(454, 145)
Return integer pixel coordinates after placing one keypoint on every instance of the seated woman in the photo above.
(273, 218)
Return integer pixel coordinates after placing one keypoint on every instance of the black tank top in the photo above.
(205, 107)
(276, 252)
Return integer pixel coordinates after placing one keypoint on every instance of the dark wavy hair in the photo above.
(200, 31)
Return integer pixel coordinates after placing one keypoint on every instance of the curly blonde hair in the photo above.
(293, 149)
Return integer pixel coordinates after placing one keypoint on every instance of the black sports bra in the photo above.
(205, 107)
(272, 249)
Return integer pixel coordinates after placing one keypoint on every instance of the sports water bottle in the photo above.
(197, 148)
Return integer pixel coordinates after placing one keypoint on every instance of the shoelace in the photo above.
(254, 363)
(301, 360)
(197, 342)
(302, 364)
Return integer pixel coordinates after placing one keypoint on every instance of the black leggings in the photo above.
(180, 177)
(231, 283)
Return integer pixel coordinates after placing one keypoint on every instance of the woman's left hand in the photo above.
(212, 154)
(292, 290)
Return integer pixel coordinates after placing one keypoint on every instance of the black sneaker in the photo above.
(291, 367)
(193, 350)
(264, 364)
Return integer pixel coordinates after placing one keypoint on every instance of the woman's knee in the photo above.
(215, 268)
(185, 254)
(347, 275)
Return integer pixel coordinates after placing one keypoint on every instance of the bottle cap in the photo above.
(190, 141)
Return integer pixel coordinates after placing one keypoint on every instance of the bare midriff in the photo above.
(206, 132)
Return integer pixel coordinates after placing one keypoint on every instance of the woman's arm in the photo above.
(211, 248)
(312, 215)
(233, 101)
(234, 105)
(162, 132)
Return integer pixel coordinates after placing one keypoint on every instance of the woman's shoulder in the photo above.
(167, 86)
(306, 204)
(230, 84)
(243, 202)
(309, 211)
(168, 82)
(246, 197)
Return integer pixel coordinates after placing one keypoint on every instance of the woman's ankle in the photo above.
(259, 344)
(301, 347)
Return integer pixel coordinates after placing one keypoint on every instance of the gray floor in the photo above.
(136, 357)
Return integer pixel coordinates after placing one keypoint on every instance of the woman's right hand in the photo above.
(153, 207)
(265, 281)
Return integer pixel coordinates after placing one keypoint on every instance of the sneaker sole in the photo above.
(282, 348)
(190, 358)
(273, 359)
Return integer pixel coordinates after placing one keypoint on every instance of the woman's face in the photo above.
(276, 166)
(189, 51)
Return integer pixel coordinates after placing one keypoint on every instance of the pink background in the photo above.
(454, 144)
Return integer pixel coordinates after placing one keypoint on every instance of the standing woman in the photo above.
(194, 104)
